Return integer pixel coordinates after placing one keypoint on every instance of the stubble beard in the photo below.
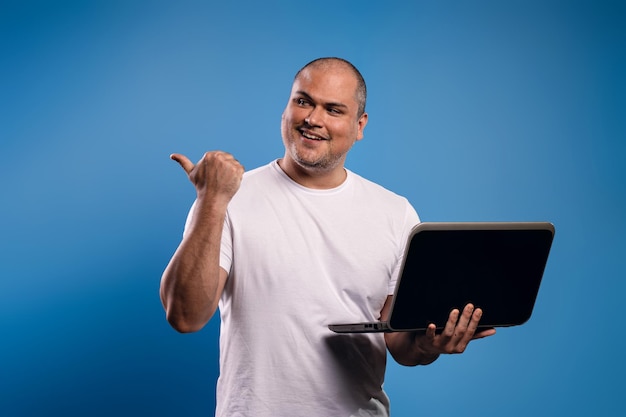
(324, 163)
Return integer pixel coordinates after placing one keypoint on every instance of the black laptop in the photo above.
(497, 266)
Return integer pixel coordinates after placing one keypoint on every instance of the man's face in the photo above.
(320, 123)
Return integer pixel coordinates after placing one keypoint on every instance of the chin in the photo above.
(317, 162)
(318, 165)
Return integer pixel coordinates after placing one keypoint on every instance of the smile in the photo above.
(310, 136)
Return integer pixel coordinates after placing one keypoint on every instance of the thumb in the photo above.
(183, 161)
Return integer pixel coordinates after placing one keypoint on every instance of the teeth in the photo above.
(309, 136)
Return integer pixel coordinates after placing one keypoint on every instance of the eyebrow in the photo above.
(331, 104)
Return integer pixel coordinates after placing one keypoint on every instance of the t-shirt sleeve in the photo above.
(411, 219)
(226, 251)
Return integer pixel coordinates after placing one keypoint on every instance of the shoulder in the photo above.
(259, 173)
(373, 198)
(257, 184)
(376, 191)
(258, 178)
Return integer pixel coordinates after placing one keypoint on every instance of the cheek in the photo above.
(347, 132)
(293, 113)
(288, 119)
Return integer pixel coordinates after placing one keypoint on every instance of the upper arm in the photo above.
(384, 316)
(384, 313)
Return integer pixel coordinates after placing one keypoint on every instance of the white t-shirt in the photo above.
(298, 260)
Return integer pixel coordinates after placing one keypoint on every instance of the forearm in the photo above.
(406, 349)
(192, 282)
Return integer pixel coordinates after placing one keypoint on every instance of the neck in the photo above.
(313, 178)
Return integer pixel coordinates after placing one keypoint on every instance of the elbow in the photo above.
(181, 317)
(184, 320)
(186, 315)
(405, 352)
(404, 360)
(184, 325)
(414, 360)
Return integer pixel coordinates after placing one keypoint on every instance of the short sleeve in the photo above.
(226, 249)
(411, 219)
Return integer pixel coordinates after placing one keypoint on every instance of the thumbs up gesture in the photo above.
(216, 176)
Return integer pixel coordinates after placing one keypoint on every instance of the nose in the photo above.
(314, 118)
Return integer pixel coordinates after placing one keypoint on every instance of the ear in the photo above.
(361, 126)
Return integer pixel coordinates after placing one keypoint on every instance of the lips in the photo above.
(310, 136)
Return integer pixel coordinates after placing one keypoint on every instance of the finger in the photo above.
(427, 341)
(430, 332)
(468, 322)
(183, 161)
(484, 333)
(474, 320)
(467, 333)
(473, 326)
(230, 157)
(448, 330)
(466, 318)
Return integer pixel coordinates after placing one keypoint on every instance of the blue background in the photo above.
(482, 110)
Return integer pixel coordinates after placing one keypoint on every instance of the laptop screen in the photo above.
(496, 269)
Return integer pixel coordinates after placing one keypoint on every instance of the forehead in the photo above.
(331, 84)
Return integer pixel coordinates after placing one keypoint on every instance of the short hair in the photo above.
(361, 88)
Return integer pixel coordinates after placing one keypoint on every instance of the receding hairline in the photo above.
(329, 62)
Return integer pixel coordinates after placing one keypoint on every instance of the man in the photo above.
(290, 247)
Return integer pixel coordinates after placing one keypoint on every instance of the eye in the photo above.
(301, 102)
(334, 111)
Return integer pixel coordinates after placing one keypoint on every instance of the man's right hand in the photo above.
(217, 174)
(193, 281)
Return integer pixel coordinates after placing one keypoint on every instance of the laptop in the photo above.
(497, 266)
